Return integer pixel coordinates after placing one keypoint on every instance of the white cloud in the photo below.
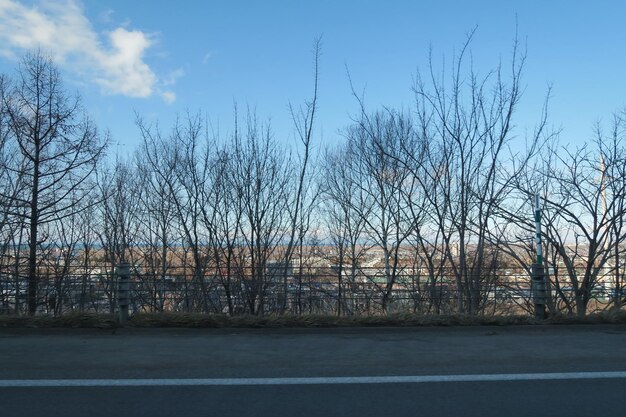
(61, 29)
(173, 76)
(106, 16)
(169, 97)
(123, 69)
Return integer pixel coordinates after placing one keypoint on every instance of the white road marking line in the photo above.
(50, 383)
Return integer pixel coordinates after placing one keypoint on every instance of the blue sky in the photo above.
(163, 58)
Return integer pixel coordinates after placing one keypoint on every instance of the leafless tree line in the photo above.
(441, 192)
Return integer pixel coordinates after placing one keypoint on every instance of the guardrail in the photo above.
(506, 292)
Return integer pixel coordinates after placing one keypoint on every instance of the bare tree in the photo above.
(59, 148)
(12, 219)
(344, 210)
(59, 276)
(428, 273)
(223, 210)
(261, 175)
(157, 217)
(182, 164)
(119, 191)
(301, 208)
(89, 225)
(584, 199)
(468, 121)
(613, 165)
(376, 141)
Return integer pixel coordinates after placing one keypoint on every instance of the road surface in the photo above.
(466, 371)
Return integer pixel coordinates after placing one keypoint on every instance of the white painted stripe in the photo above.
(415, 379)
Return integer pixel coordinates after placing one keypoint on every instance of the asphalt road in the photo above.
(175, 360)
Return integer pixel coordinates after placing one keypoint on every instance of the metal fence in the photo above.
(507, 292)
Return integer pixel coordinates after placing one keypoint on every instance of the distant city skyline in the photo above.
(158, 59)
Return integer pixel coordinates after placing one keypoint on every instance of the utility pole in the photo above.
(538, 284)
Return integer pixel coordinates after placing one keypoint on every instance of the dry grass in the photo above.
(155, 320)
(76, 320)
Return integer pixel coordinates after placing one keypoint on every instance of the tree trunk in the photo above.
(32, 243)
